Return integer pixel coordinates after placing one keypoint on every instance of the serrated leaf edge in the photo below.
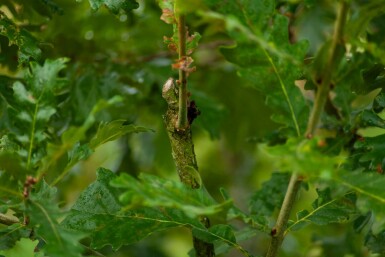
(362, 191)
(304, 219)
(51, 223)
(235, 245)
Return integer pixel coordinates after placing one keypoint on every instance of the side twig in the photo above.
(277, 232)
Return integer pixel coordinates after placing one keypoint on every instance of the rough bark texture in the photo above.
(184, 157)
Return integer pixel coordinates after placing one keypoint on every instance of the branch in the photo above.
(277, 232)
(184, 157)
(179, 131)
(333, 60)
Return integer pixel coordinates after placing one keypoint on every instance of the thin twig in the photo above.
(283, 217)
(333, 60)
(322, 94)
(182, 122)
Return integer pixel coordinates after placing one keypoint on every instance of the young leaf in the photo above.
(25, 247)
(44, 215)
(168, 15)
(152, 191)
(115, 5)
(326, 210)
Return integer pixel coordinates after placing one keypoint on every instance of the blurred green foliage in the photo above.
(80, 79)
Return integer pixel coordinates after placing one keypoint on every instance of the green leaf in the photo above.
(109, 131)
(270, 196)
(257, 12)
(371, 119)
(9, 185)
(256, 222)
(11, 163)
(77, 153)
(152, 191)
(379, 102)
(304, 156)
(326, 210)
(242, 235)
(212, 113)
(267, 67)
(25, 247)
(10, 235)
(56, 157)
(370, 151)
(369, 187)
(12, 172)
(27, 44)
(33, 107)
(44, 215)
(45, 79)
(115, 6)
(376, 242)
(46, 7)
(167, 7)
(99, 213)
(223, 233)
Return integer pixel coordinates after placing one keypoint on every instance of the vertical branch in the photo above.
(333, 60)
(277, 232)
(179, 130)
(182, 122)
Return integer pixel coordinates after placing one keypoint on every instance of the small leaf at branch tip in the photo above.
(168, 16)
